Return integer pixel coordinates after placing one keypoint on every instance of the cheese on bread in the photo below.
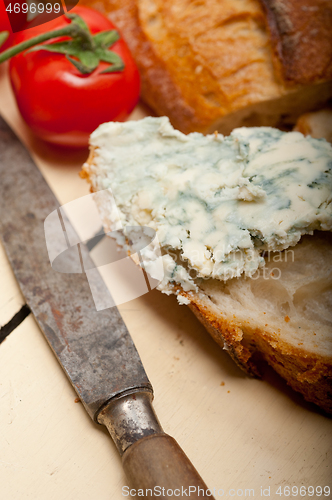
(226, 211)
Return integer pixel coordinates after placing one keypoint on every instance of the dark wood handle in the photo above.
(156, 462)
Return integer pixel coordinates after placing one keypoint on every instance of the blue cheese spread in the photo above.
(215, 202)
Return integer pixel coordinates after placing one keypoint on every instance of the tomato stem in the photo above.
(73, 30)
(3, 37)
(83, 49)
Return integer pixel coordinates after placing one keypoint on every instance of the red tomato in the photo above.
(21, 18)
(61, 105)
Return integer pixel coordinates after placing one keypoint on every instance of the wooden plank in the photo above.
(50, 448)
(11, 299)
(245, 434)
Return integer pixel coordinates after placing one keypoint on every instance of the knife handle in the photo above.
(158, 463)
(151, 459)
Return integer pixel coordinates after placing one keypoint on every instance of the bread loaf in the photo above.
(229, 213)
(218, 64)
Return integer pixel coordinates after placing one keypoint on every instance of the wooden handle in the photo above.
(156, 462)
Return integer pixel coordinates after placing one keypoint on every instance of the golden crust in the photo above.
(157, 86)
(307, 373)
(214, 64)
(301, 38)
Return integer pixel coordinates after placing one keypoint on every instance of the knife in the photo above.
(93, 347)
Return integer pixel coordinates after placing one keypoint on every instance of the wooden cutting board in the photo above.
(246, 437)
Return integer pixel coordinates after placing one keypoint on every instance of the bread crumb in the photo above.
(287, 318)
(77, 400)
(216, 133)
(222, 383)
(183, 300)
(228, 391)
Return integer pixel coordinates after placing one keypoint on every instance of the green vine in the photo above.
(83, 50)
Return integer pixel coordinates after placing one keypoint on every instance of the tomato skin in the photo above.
(61, 105)
(5, 24)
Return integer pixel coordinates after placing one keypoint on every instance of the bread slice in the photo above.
(279, 310)
(283, 316)
(219, 64)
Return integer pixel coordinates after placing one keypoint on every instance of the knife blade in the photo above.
(93, 347)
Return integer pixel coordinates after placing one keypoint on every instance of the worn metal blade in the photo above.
(93, 347)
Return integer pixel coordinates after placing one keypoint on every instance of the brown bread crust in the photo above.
(301, 38)
(305, 372)
(157, 86)
(219, 64)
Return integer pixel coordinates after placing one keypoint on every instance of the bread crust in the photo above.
(158, 89)
(216, 65)
(300, 32)
(305, 372)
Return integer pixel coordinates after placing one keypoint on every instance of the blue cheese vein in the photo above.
(218, 202)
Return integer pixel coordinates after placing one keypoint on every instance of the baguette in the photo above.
(271, 300)
(219, 64)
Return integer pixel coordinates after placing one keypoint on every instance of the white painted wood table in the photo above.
(246, 437)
